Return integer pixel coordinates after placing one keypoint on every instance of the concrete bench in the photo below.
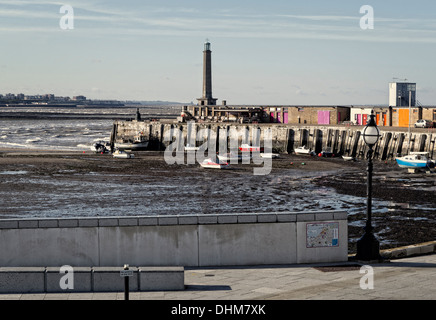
(87, 279)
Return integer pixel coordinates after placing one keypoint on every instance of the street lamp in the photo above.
(368, 247)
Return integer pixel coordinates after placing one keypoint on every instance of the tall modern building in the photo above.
(399, 93)
(207, 98)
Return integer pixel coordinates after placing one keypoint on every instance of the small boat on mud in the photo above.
(122, 154)
(416, 160)
(214, 164)
(233, 157)
(303, 150)
(245, 147)
(269, 155)
(346, 158)
(327, 153)
(191, 148)
(101, 147)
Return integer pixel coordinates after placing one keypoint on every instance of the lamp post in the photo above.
(368, 247)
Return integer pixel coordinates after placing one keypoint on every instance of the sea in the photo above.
(66, 128)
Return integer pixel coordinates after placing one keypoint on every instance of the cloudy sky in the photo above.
(264, 52)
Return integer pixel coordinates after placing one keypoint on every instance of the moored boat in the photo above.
(138, 143)
(233, 157)
(269, 155)
(101, 147)
(416, 160)
(191, 148)
(246, 147)
(346, 158)
(213, 164)
(122, 154)
(303, 150)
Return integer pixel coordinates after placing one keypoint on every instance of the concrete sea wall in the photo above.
(285, 138)
(185, 240)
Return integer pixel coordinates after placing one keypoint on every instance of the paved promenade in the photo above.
(400, 279)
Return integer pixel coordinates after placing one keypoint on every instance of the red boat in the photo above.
(246, 147)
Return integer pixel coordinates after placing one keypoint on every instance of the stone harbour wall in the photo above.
(344, 140)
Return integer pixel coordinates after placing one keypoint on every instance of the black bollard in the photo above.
(126, 284)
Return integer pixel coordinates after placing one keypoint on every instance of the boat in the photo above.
(327, 153)
(233, 157)
(269, 155)
(416, 160)
(245, 147)
(138, 143)
(101, 147)
(213, 164)
(303, 150)
(191, 148)
(346, 158)
(122, 154)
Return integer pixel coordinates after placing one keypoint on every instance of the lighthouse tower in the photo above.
(207, 98)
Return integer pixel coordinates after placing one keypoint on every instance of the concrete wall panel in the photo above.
(245, 244)
(175, 245)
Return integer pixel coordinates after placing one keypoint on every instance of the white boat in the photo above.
(269, 155)
(191, 148)
(233, 157)
(346, 158)
(138, 143)
(213, 164)
(122, 154)
(246, 147)
(303, 150)
(416, 160)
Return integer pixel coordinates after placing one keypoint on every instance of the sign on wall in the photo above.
(322, 234)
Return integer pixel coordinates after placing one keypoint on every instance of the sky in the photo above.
(279, 52)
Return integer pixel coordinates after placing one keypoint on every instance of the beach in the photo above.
(77, 184)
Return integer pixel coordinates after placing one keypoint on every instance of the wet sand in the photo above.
(66, 184)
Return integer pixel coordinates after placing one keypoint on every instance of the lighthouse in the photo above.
(207, 98)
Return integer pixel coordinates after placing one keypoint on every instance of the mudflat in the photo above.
(71, 184)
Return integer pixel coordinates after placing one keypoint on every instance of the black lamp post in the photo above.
(368, 247)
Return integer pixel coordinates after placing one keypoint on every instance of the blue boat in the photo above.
(416, 160)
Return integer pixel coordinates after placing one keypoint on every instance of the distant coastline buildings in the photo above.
(10, 99)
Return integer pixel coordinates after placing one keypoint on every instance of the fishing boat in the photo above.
(303, 150)
(122, 154)
(416, 160)
(138, 143)
(213, 164)
(245, 147)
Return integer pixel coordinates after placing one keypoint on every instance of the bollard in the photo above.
(126, 273)
(126, 284)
